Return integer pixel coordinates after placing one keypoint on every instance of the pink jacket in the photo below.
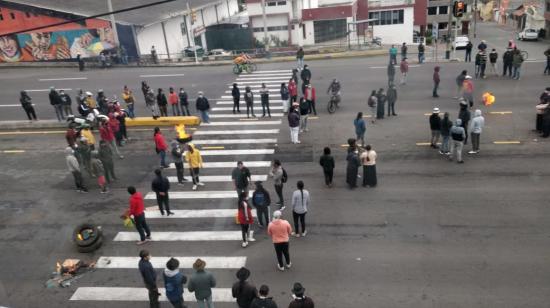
(404, 67)
(279, 230)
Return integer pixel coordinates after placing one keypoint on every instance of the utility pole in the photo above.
(113, 22)
(264, 17)
(449, 11)
(189, 31)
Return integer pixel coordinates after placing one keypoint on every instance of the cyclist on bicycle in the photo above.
(242, 60)
(334, 89)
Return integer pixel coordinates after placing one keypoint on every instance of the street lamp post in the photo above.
(192, 38)
(113, 22)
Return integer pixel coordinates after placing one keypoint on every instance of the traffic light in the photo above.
(458, 9)
(193, 16)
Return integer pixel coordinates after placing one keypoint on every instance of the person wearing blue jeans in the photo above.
(203, 107)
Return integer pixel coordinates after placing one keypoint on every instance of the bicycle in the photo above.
(333, 103)
(239, 68)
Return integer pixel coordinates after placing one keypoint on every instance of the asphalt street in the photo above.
(432, 234)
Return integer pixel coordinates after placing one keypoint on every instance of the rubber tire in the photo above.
(88, 242)
(249, 69)
(331, 108)
(253, 66)
(236, 70)
(95, 246)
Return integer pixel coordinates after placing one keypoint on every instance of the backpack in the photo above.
(284, 179)
(259, 198)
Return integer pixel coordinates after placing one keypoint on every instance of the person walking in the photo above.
(404, 68)
(55, 101)
(547, 55)
(151, 102)
(162, 102)
(245, 218)
(136, 212)
(285, 96)
(446, 125)
(236, 94)
(372, 102)
(149, 278)
(493, 57)
(360, 128)
(130, 101)
(507, 60)
(161, 186)
(300, 202)
(26, 103)
(263, 301)
(261, 201)
(278, 174)
(304, 107)
(242, 290)
(249, 100)
(353, 164)
(294, 123)
(241, 178)
(305, 75)
(464, 115)
(299, 299)
(310, 98)
(66, 103)
(476, 127)
(194, 160)
(177, 158)
(368, 160)
(435, 127)
(173, 283)
(460, 83)
(74, 169)
(174, 100)
(421, 53)
(293, 90)
(264, 96)
(517, 61)
(468, 90)
(99, 171)
(392, 99)
(468, 49)
(458, 135)
(393, 55)
(106, 158)
(203, 106)
(184, 102)
(436, 80)
(404, 50)
(381, 105)
(327, 163)
(300, 57)
(202, 282)
(391, 73)
(279, 230)
(160, 147)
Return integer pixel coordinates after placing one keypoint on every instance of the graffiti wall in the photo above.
(58, 45)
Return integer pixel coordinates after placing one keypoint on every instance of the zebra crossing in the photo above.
(234, 137)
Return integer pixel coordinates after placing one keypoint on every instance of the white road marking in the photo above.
(277, 82)
(230, 86)
(55, 79)
(272, 71)
(154, 212)
(237, 132)
(242, 103)
(242, 116)
(232, 164)
(18, 105)
(167, 75)
(234, 141)
(48, 90)
(266, 75)
(206, 194)
(231, 108)
(140, 294)
(262, 78)
(220, 178)
(244, 123)
(189, 236)
(237, 152)
(258, 91)
(394, 65)
(160, 262)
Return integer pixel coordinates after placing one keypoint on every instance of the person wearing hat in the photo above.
(99, 171)
(404, 68)
(458, 135)
(173, 283)
(435, 127)
(202, 282)
(263, 301)
(203, 106)
(55, 101)
(294, 123)
(74, 168)
(300, 300)
(280, 230)
(261, 201)
(242, 290)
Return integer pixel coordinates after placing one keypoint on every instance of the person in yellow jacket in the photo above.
(182, 136)
(194, 159)
(87, 133)
(90, 101)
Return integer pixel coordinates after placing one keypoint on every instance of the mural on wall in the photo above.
(58, 45)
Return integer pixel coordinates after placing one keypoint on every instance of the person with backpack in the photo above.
(493, 57)
(262, 301)
(458, 136)
(517, 60)
(304, 114)
(327, 162)
(372, 102)
(236, 94)
(360, 128)
(245, 218)
(173, 283)
(249, 100)
(279, 175)
(300, 203)
(242, 290)
(241, 178)
(261, 201)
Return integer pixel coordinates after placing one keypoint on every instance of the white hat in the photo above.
(277, 214)
(468, 77)
(88, 93)
(436, 110)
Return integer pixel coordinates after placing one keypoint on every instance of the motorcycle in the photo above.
(333, 102)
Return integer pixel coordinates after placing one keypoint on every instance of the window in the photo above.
(432, 10)
(374, 15)
(443, 10)
(281, 2)
(276, 3)
(271, 3)
(394, 17)
(274, 28)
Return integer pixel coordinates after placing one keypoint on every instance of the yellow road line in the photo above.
(507, 142)
(13, 151)
(213, 148)
(501, 112)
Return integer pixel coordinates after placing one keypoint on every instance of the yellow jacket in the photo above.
(91, 102)
(193, 159)
(180, 131)
(87, 133)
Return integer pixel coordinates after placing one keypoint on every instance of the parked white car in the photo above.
(528, 34)
(460, 42)
(219, 52)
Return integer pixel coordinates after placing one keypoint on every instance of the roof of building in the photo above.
(143, 16)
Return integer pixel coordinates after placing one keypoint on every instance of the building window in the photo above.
(276, 3)
(12, 15)
(443, 10)
(394, 17)
(271, 3)
(432, 10)
(281, 2)
(269, 29)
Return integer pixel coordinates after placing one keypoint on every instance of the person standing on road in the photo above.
(106, 158)
(482, 63)
(293, 90)
(278, 174)
(464, 115)
(202, 282)
(468, 54)
(249, 100)
(55, 101)
(541, 108)
(285, 96)
(300, 57)
(74, 169)
(177, 158)
(436, 80)
(107, 134)
(507, 60)
(372, 102)
(300, 300)
(310, 98)
(151, 102)
(435, 127)
(130, 101)
(203, 106)
(300, 203)
(145, 89)
(305, 75)
(517, 60)
(162, 102)
(468, 90)
(360, 128)
(66, 103)
(421, 53)
(392, 99)
(26, 103)
(160, 147)
(458, 135)
(393, 55)
(71, 135)
(262, 301)
(264, 96)
(261, 201)
(280, 231)
(460, 83)
(391, 73)
(547, 68)
(327, 163)
(381, 106)
(446, 125)
(242, 290)
(184, 102)
(173, 99)
(404, 68)
(137, 213)
(294, 123)
(304, 107)
(476, 127)
(404, 50)
(244, 218)
(368, 160)
(173, 283)
(161, 186)
(493, 57)
(241, 178)
(353, 164)
(102, 102)
(83, 153)
(477, 63)
(236, 94)
(99, 171)
(149, 278)
(194, 160)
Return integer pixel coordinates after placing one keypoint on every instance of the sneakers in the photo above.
(169, 213)
(281, 268)
(289, 265)
(441, 152)
(304, 233)
(473, 152)
(282, 207)
(200, 183)
(148, 238)
(194, 187)
(244, 244)
(141, 242)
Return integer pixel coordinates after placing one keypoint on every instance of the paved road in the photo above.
(432, 234)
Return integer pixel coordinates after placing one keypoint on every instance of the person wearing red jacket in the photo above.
(174, 100)
(137, 213)
(310, 98)
(404, 68)
(107, 134)
(293, 90)
(245, 219)
(160, 147)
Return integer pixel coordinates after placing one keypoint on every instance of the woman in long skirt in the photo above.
(368, 159)
(353, 164)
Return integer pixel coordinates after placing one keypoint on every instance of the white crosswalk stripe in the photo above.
(232, 164)
(223, 194)
(188, 236)
(236, 132)
(237, 152)
(234, 141)
(220, 178)
(160, 262)
(247, 123)
(244, 108)
(239, 116)
(140, 294)
(153, 213)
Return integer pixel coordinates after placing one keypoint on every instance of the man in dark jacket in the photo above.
(391, 74)
(102, 102)
(263, 301)
(305, 75)
(65, 102)
(507, 59)
(149, 278)
(381, 103)
(261, 201)
(435, 127)
(446, 125)
(468, 57)
(464, 116)
(55, 101)
(184, 102)
(236, 93)
(241, 178)
(294, 123)
(160, 186)
(392, 98)
(300, 300)
(106, 158)
(242, 290)
(203, 106)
